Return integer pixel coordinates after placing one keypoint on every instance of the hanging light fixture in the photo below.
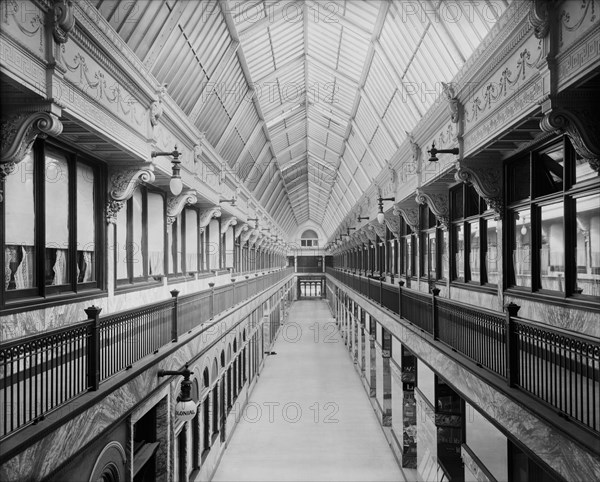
(433, 152)
(380, 214)
(175, 184)
(185, 408)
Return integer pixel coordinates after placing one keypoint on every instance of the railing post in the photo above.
(400, 285)
(174, 331)
(512, 352)
(435, 292)
(93, 348)
(212, 300)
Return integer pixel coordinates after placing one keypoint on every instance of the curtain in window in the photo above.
(57, 218)
(19, 224)
(137, 258)
(86, 225)
(191, 240)
(156, 242)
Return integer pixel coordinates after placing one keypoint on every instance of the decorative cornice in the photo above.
(207, 215)
(20, 131)
(176, 204)
(227, 223)
(241, 229)
(486, 178)
(64, 20)
(437, 200)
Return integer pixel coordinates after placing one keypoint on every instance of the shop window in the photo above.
(554, 229)
(52, 224)
(431, 238)
(474, 258)
(140, 234)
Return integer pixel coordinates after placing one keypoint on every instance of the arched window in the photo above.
(309, 238)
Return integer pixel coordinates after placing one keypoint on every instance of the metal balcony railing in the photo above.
(559, 367)
(40, 373)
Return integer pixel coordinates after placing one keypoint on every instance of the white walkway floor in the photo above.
(309, 417)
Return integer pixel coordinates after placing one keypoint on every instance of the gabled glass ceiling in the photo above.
(335, 84)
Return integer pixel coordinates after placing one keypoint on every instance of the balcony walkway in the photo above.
(309, 417)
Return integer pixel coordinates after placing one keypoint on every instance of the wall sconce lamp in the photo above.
(360, 218)
(380, 215)
(175, 183)
(433, 152)
(185, 408)
(232, 201)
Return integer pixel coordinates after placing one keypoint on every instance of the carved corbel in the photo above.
(156, 109)
(253, 237)
(208, 214)
(393, 223)
(241, 229)
(437, 200)
(371, 234)
(225, 225)
(245, 235)
(379, 229)
(64, 20)
(199, 149)
(410, 213)
(486, 178)
(176, 204)
(539, 18)
(20, 131)
(574, 115)
(453, 102)
(124, 183)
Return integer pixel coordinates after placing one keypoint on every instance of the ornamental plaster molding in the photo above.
(207, 215)
(486, 178)
(226, 223)
(157, 107)
(453, 102)
(175, 204)
(20, 131)
(437, 198)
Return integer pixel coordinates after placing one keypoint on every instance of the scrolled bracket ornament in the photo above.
(176, 204)
(64, 20)
(207, 215)
(20, 132)
(410, 216)
(124, 183)
(227, 223)
(437, 202)
(487, 182)
(581, 128)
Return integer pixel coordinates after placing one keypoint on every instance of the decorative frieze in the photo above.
(175, 204)
(486, 178)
